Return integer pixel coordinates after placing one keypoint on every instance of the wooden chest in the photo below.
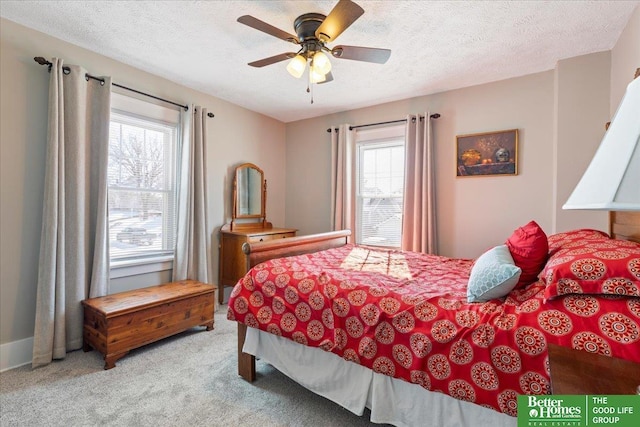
(117, 323)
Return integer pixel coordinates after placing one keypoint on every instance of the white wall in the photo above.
(235, 136)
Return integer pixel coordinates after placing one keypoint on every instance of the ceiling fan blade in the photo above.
(328, 78)
(267, 28)
(272, 59)
(358, 53)
(339, 19)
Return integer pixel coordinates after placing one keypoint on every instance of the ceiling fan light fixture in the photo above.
(297, 65)
(316, 76)
(313, 32)
(321, 63)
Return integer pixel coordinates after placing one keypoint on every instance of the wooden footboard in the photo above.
(263, 251)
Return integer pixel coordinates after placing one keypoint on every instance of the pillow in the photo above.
(559, 240)
(529, 248)
(597, 267)
(493, 275)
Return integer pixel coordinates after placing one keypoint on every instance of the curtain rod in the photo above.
(40, 60)
(433, 116)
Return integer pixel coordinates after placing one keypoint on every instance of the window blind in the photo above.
(143, 140)
(380, 189)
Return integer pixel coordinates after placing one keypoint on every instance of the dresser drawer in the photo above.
(233, 262)
(264, 237)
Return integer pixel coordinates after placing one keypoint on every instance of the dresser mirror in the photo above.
(249, 194)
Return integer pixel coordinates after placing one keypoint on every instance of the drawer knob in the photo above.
(261, 239)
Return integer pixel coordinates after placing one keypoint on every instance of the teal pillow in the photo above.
(493, 275)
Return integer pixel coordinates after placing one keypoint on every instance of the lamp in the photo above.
(321, 63)
(316, 77)
(297, 65)
(319, 68)
(612, 180)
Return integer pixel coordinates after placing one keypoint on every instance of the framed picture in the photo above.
(489, 153)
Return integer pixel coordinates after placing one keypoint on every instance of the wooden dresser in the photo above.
(248, 225)
(233, 262)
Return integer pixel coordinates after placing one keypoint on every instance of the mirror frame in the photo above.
(262, 216)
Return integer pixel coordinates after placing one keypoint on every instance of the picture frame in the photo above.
(487, 153)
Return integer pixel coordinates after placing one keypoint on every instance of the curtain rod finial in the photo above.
(40, 60)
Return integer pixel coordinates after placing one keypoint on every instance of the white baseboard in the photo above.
(16, 353)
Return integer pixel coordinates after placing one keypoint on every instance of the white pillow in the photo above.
(493, 275)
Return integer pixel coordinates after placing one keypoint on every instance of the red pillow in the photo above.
(529, 249)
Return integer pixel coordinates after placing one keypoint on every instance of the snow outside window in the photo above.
(142, 181)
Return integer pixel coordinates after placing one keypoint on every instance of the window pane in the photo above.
(141, 177)
(380, 193)
(381, 221)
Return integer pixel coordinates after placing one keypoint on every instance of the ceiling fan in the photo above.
(314, 31)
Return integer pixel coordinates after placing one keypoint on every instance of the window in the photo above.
(380, 187)
(141, 180)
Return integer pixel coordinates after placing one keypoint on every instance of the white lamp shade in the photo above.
(321, 63)
(296, 66)
(612, 180)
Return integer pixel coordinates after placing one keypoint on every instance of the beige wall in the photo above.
(235, 135)
(581, 106)
(625, 59)
(473, 213)
(560, 115)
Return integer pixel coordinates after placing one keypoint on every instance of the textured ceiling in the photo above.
(436, 45)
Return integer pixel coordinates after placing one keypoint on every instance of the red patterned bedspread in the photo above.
(406, 315)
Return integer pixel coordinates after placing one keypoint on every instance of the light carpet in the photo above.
(186, 380)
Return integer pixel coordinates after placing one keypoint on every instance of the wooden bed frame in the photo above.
(263, 251)
(622, 225)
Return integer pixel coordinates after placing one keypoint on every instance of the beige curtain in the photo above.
(74, 258)
(191, 258)
(343, 215)
(419, 222)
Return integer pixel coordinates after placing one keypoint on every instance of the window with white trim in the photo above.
(143, 140)
(380, 187)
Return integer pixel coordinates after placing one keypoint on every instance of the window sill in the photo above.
(140, 266)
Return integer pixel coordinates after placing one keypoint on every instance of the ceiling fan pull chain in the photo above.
(310, 83)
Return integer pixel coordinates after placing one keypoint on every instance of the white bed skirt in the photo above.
(355, 387)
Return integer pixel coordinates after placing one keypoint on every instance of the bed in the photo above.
(313, 305)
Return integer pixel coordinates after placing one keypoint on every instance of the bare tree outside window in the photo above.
(141, 187)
